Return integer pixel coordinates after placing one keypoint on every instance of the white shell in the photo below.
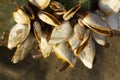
(61, 33)
(21, 17)
(98, 25)
(23, 49)
(64, 53)
(109, 6)
(18, 34)
(77, 36)
(84, 42)
(100, 39)
(49, 19)
(94, 20)
(42, 4)
(70, 13)
(114, 21)
(45, 48)
(88, 54)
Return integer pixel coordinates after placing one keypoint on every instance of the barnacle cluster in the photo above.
(68, 34)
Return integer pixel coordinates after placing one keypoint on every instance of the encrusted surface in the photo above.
(106, 66)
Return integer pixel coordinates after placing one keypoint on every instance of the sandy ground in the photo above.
(106, 66)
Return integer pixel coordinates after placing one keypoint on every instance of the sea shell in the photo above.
(95, 23)
(84, 42)
(18, 34)
(42, 4)
(64, 53)
(21, 17)
(49, 19)
(45, 48)
(100, 39)
(23, 49)
(114, 21)
(77, 36)
(88, 54)
(57, 7)
(70, 13)
(109, 6)
(61, 33)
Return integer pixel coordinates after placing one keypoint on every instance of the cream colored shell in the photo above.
(42, 4)
(109, 6)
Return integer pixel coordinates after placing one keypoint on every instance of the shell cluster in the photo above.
(69, 34)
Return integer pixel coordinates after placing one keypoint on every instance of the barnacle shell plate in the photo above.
(45, 48)
(21, 17)
(49, 19)
(114, 21)
(57, 7)
(40, 3)
(77, 36)
(61, 33)
(88, 54)
(18, 34)
(23, 49)
(64, 53)
(70, 13)
(100, 39)
(109, 6)
(95, 23)
(84, 42)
